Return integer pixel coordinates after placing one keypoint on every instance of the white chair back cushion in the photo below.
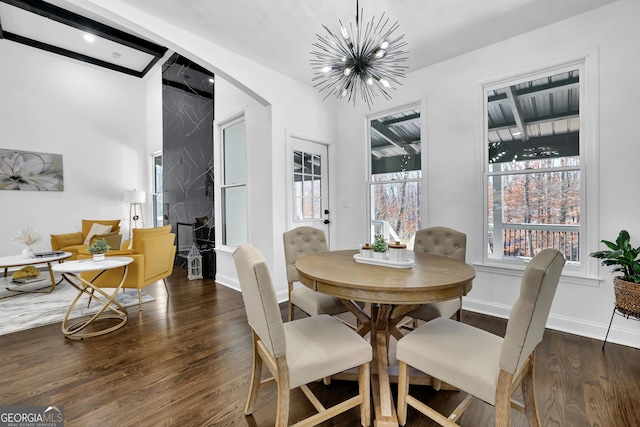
(299, 242)
(530, 312)
(441, 241)
(259, 295)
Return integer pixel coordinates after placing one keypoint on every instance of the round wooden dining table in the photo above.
(392, 293)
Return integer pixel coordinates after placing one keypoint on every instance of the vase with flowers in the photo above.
(26, 237)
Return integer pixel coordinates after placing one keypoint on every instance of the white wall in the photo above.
(278, 103)
(94, 117)
(452, 154)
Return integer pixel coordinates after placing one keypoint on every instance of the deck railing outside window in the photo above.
(526, 240)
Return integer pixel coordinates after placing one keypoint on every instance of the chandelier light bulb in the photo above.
(344, 32)
(384, 44)
(379, 54)
(326, 69)
(347, 71)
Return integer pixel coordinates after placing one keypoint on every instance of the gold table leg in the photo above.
(116, 310)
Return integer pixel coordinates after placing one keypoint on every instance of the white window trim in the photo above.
(588, 64)
(152, 183)
(220, 125)
(422, 106)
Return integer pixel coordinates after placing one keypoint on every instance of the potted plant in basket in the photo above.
(98, 248)
(379, 246)
(624, 257)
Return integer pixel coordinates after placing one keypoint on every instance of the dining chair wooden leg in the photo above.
(165, 285)
(529, 395)
(139, 299)
(290, 311)
(364, 386)
(503, 399)
(282, 414)
(256, 375)
(403, 389)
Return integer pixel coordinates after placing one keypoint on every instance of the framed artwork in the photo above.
(30, 171)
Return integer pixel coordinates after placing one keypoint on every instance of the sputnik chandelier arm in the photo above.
(367, 60)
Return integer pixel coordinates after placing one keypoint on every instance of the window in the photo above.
(158, 215)
(534, 169)
(395, 167)
(307, 188)
(234, 183)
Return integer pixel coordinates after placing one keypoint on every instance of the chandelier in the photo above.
(368, 60)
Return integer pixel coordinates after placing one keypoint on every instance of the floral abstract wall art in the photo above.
(28, 170)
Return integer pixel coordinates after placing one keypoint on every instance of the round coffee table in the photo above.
(71, 272)
(48, 258)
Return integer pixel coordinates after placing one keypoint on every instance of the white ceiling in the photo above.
(279, 33)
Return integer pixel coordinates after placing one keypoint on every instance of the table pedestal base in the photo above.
(382, 325)
(116, 311)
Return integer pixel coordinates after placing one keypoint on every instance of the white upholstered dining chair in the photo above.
(300, 351)
(482, 364)
(299, 242)
(447, 242)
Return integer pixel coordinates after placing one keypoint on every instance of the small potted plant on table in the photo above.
(98, 248)
(379, 247)
(624, 257)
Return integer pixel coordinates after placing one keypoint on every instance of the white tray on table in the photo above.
(408, 263)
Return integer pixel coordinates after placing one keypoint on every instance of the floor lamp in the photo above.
(136, 218)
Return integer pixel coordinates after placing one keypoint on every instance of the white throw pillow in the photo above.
(96, 229)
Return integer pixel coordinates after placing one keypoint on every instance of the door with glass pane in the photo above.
(310, 189)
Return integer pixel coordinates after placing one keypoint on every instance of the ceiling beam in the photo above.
(537, 121)
(70, 54)
(518, 115)
(85, 24)
(553, 87)
(554, 145)
(82, 23)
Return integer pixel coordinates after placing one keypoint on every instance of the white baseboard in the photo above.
(228, 281)
(232, 283)
(623, 331)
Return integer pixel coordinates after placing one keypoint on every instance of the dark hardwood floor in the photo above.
(185, 360)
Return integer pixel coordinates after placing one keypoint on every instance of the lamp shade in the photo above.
(135, 196)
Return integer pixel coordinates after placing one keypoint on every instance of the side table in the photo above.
(71, 273)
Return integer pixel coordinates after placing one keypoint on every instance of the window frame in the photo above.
(586, 272)
(155, 194)
(416, 105)
(221, 127)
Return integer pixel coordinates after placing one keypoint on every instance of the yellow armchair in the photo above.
(75, 242)
(153, 252)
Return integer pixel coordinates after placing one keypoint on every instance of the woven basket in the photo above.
(627, 297)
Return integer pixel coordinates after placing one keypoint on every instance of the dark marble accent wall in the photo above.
(187, 98)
